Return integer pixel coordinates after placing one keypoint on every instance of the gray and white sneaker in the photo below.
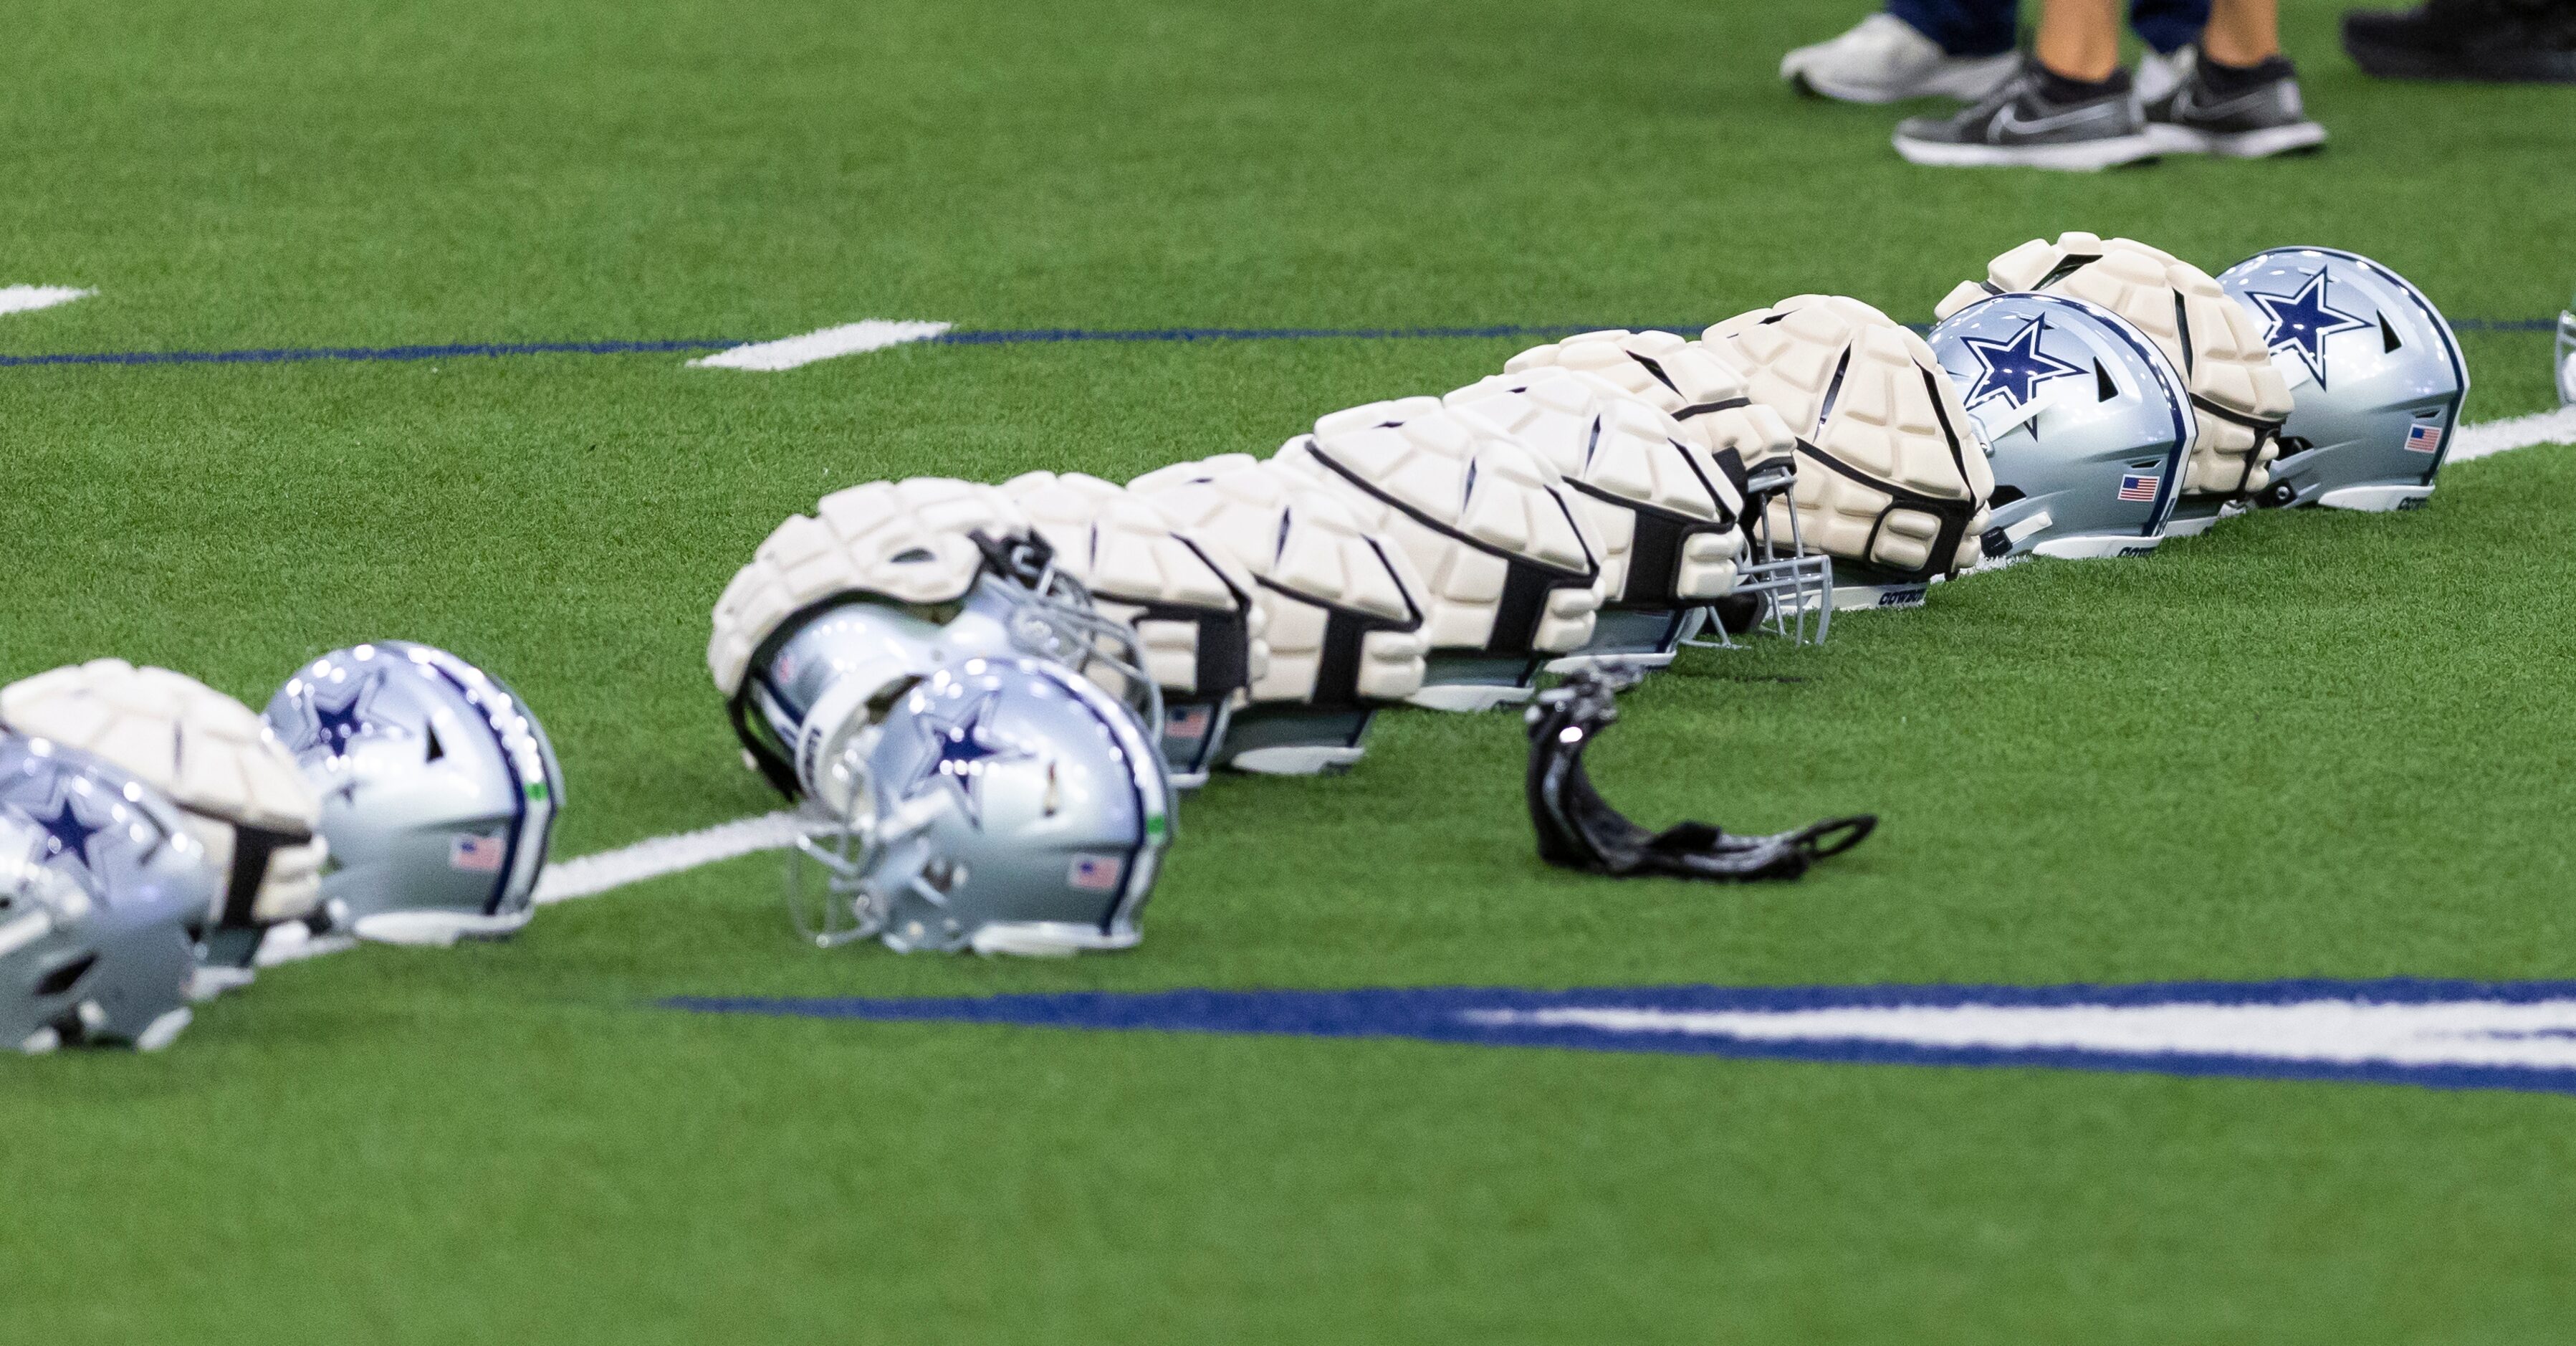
(1883, 59)
(2036, 120)
(2252, 113)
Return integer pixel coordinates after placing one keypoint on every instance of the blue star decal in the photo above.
(956, 753)
(335, 726)
(2303, 321)
(2014, 369)
(69, 836)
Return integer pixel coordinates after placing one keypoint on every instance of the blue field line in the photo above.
(1501, 1016)
(985, 337)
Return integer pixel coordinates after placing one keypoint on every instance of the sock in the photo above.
(2229, 80)
(2057, 88)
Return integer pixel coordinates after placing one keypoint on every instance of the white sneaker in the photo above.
(1884, 60)
(2161, 75)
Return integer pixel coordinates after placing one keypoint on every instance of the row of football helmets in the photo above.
(159, 841)
(988, 693)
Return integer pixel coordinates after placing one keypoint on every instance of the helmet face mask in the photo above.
(101, 887)
(439, 791)
(2085, 421)
(1009, 806)
(2376, 376)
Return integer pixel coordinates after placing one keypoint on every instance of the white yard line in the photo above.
(29, 298)
(604, 871)
(847, 339)
(2488, 438)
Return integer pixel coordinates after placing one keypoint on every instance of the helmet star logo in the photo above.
(67, 836)
(334, 727)
(2302, 322)
(957, 751)
(2013, 370)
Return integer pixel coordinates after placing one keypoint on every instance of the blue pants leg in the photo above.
(1965, 27)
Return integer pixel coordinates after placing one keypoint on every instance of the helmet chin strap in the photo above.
(1578, 829)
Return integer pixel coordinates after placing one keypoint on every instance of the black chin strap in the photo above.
(1579, 829)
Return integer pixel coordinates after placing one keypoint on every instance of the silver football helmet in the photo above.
(818, 694)
(2376, 379)
(101, 890)
(439, 792)
(2567, 356)
(1008, 805)
(2085, 421)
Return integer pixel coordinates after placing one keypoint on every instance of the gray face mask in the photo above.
(2376, 379)
(2085, 422)
(439, 791)
(102, 891)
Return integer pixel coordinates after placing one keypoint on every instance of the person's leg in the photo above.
(2069, 107)
(2238, 95)
(2242, 33)
(2079, 39)
(1916, 49)
(1963, 27)
(2168, 26)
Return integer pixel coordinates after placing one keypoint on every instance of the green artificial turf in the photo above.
(2301, 745)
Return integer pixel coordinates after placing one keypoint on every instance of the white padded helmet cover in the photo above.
(1434, 481)
(1126, 552)
(1863, 392)
(901, 541)
(2214, 340)
(209, 753)
(1625, 449)
(1696, 384)
(1308, 555)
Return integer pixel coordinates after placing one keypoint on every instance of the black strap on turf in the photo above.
(1578, 829)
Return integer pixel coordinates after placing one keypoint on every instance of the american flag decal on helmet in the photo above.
(476, 855)
(2135, 486)
(1096, 873)
(2424, 439)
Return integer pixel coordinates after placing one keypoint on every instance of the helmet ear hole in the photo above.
(62, 979)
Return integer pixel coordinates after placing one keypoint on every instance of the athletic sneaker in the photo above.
(1883, 60)
(2518, 41)
(2036, 119)
(2249, 112)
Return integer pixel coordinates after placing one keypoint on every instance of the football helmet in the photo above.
(1891, 482)
(1780, 584)
(2238, 398)
(2086, 422)
(1008, 806)
(1343, 608)
(102, 886)
(2375, 375)
(1668, 516)
(838, 613)
(439, 792)
(1190, 603)
(236, 786)
(1513, 568)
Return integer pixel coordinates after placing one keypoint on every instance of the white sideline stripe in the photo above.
(2535, 1035)
(850, 338)
(2488, 438)
(29, 298)
(591, 875)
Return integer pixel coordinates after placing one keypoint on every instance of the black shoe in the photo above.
(2514, 41)
(2036, 120)
(2250, 112)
